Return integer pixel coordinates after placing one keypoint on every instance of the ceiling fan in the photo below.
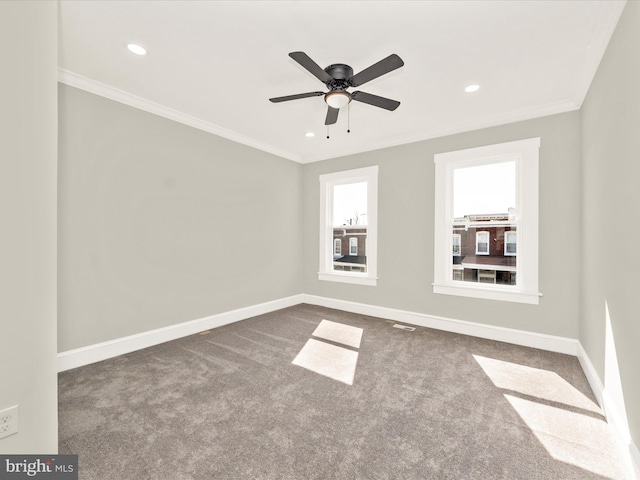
(338, 78)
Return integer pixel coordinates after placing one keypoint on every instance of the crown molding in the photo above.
(92, 86)
(97, 88)
(608, 14)
(554, 108)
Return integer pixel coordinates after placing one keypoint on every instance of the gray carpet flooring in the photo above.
(265, 398)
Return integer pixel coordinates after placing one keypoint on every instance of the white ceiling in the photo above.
(215, 64)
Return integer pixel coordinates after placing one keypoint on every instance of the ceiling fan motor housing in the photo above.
(340, 74)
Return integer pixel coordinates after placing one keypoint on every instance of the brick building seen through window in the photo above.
(350, 253)
(484, 249)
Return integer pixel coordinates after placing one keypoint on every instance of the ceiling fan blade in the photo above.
(376, 70)
(304, 60)
(295, 97)
(332, 116)
(375, 100)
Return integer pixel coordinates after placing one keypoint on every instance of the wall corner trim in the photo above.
(119, 346)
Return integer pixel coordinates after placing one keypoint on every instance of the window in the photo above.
(455, 241)
(486, 213)
(353, 246)
(348, 209)
(482, 243)
(510, 241)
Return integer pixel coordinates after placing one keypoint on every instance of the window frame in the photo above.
(506, 234)
(353, 242)
(526, 155)
(337, 245)
(485, 234)
(327, 183)
(459, 237)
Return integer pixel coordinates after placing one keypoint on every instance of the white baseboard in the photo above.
(518, 337)
(590, 372)
(119, 346)
(619, 427)
(635, 459)
(551, 343)
(102, 351)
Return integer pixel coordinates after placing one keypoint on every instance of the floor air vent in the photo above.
(404, 327)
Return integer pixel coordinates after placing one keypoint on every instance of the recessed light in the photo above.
(309, 134)
(472, 88)
(137, 49)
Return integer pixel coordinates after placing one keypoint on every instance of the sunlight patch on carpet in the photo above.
(568, 436)
(563, 419)
(339, 332)
(535, 382)
(335, 362)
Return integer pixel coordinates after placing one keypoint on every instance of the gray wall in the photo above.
(405, 229)
(160, 223)
(28, 130)
(611, 208)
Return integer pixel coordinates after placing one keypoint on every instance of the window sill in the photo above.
(488, 293)
(358, 279)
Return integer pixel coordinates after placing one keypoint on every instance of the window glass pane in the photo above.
(355, 259)
(350, 204)
(485, 189)
(484, 201)
(350, 226)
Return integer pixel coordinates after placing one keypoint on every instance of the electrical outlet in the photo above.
(8, 421)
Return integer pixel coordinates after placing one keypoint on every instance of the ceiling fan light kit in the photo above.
(338, 78)
(337, 99)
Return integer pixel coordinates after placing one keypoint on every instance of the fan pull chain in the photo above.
(349, 117)
(327, 131)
